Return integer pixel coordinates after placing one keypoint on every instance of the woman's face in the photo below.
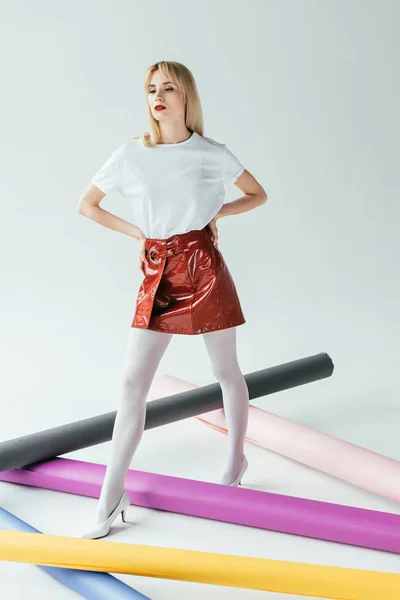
(168, 95)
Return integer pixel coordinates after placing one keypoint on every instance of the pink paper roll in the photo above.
(346, 461)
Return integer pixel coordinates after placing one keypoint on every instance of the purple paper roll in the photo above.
(276, 512)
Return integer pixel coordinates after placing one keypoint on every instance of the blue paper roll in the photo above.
(88, 584)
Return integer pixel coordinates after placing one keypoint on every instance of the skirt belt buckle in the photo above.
(155, 261)
(168, 252)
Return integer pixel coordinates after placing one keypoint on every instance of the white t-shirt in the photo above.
(172, 188)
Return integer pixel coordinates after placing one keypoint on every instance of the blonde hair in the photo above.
(182, 77)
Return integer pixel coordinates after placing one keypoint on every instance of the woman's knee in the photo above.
(226, 371)
(134, 385)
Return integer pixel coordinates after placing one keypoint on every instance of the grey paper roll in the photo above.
(50, 443)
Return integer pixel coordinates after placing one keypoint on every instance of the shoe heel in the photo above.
(242, 472)
(126, 505)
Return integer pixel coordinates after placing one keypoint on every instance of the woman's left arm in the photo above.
(254, 195)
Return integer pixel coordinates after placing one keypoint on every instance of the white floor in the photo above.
(188, 449)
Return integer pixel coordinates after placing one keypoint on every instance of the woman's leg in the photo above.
(144, 353)
(221, 348)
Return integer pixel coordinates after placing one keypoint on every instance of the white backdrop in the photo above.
(306, 95)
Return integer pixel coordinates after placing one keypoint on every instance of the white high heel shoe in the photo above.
(103, 528)
(242, 471)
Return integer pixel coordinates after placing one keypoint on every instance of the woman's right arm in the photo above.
(88, 206)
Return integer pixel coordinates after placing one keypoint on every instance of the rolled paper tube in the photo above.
(346, 461)
(242, 506)
(200, 567)
(92, 586)
(50, 443)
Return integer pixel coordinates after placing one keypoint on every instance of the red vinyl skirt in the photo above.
(187, 287)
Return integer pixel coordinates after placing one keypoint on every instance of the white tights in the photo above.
(144, 353)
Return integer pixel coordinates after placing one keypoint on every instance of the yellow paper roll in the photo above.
(201, 567)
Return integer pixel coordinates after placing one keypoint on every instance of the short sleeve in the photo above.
(232, 168)
(108, 177)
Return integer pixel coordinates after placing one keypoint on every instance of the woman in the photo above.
(175, 180)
